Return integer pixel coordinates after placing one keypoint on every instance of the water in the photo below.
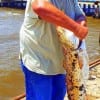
(11, 76)
(93, 46)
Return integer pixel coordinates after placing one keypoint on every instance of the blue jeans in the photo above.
(44, 87)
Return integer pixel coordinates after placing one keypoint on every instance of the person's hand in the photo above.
(82, 32)
(82, 23)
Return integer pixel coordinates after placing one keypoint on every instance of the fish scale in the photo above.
(74, 79)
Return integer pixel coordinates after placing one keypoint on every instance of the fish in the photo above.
(71, 62)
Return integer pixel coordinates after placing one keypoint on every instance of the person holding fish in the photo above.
(41, 53)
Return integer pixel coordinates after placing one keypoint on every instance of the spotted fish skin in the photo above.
(74, 79)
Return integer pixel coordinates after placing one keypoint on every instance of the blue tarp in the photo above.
(89, 0)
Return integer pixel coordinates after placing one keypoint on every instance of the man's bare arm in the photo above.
(50, 13)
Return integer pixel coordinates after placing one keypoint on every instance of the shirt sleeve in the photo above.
(79, 14)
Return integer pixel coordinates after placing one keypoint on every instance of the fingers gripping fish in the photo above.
(74, 78)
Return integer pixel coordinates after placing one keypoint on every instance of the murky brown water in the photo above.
(11, 76)
(92, 40)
